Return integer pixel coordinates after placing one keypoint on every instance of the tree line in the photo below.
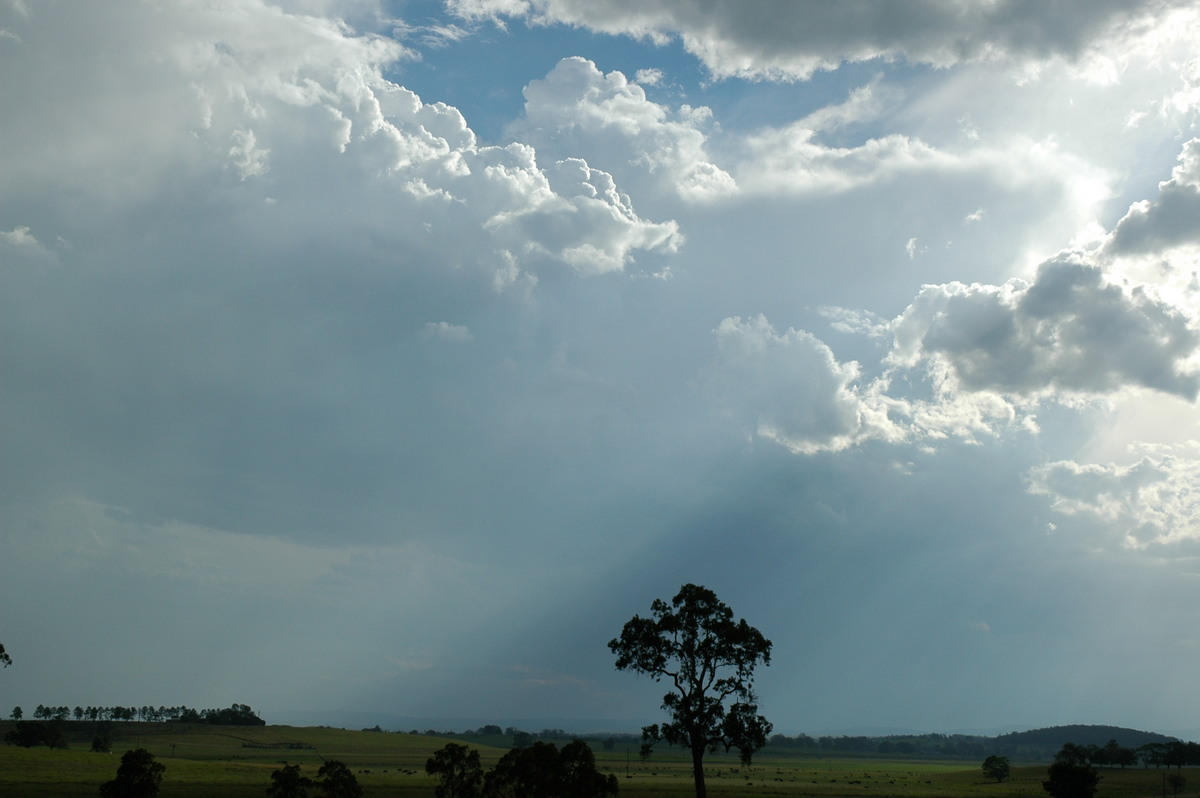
(932, 744)
(236, 715)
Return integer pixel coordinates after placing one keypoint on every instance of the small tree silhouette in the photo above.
(996, 767)
(286, 782)
(458, 770)
(138, 776)
(1071, 775)
(335, 780)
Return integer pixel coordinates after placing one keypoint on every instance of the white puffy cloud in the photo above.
(797, 392)
(1153, 501)
(445, 331)
(1072, 329)
(296, 109)
(786, 40)
(21, 244)
(794, 391)
(795, 158)
(798, 158)
(578, 110)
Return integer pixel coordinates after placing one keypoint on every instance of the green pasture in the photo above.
(236, 761)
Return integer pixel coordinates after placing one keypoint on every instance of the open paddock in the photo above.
(236, 762)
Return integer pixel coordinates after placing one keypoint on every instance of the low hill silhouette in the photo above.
(1043, 743)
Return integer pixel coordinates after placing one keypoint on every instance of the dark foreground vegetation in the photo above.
(538, 771)
(239, 762)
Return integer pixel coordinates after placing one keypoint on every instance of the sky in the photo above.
(386, 356)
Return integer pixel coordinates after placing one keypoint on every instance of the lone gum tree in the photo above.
(709, 659)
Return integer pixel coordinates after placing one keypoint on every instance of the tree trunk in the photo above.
(698, 769)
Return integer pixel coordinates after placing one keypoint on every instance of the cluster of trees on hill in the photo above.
(51, 725)
(236, 715)
(540, 770)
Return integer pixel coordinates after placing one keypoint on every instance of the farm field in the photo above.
(237, 761)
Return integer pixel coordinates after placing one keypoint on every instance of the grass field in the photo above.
(236, 761)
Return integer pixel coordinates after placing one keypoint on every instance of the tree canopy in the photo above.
(539, 770)
(458, 771)
(709, 659)
(1071, 775)
(138, 776)
(286, 782)
(543, 771)
(996, 767)
(336, 780)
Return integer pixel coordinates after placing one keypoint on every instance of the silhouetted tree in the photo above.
(138, 776)
(26, 734)
(1152, 754)
(286, 782)
(17, 714)
(54, 733)
(5, 659)
(524, 773)
(710, 660)
(580, 779)
(236, 715)
(542, 771)
(1178, 753)
(335, 780)
(996, 767)
(1118, 755)
(458, 770)
(1071, 775)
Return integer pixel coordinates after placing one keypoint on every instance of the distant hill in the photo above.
(1036, 745)
(1044, 743)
